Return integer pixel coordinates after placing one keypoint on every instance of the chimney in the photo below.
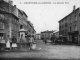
(11, 2)
(14, 5)
(74, 8)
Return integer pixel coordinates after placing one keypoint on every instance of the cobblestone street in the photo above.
(47, 51)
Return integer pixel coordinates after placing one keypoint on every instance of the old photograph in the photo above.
(40, 29)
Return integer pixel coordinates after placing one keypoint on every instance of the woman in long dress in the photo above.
(14, 45)
(8, 43)
(32, 43)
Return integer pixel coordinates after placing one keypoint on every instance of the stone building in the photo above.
(38, 36)
(56, 34)
(23, 30)
(12, 21)
(46, 34)
(69, 26)
(24, 23)
(31, 29)
(9, 23)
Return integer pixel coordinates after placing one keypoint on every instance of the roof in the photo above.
(6, 12)
(47, 32)
(25, 14)
(38, 34)
(31, 25)
(68, 14)
(22, 12)
(3, 12)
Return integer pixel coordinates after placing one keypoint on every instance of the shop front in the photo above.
(63, 38)
(73, 37)
(2, 41)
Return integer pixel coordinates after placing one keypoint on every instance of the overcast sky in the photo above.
(45, 14)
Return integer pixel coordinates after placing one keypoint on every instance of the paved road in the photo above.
(47, 51)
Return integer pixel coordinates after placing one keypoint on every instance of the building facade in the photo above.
(69, 26)
(25, 27)
(9, 23)
(38, 36)
(46, 34)
(56, 34)
(12, 20)
(31, 29)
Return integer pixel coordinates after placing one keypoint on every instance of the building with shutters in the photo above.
(12, 20)
(46, 35)
(9, 23)
(69, 27)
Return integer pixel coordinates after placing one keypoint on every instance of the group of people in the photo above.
(11, 43)
(30, 41)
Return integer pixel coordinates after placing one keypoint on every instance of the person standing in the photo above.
(30, 42)
(14, 40)
(33, 46)
(27, 38)
(45, 40)
(8, 43)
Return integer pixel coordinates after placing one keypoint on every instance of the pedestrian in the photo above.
(14, 44)
(33, 46)
(8, 43)
(45, 41)
(52, 39)
(28, 44)
(30, 41)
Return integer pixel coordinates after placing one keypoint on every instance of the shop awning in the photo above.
(73, 32)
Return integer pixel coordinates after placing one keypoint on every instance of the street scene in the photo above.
(46, 51)
(39, 29)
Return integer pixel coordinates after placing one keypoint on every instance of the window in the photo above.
(1, 25)
(21, 26)
(70, 20)
(1, 35)
(59, 32)
(70, 28)
(75, 28)
(65, 31)
(62, 31)
(1, 16)
(76, 18)
(75, 13)
(60, 27)
(65, 24)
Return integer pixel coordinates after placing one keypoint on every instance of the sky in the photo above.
(45, 14)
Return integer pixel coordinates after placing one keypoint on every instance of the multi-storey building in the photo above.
(56, 34)
(12, 20)
(9, 23)
(38, 36)
(69, 26)
(31, 29)
(46, 34)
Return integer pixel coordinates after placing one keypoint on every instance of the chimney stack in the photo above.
(74, 8)
(14, 5)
